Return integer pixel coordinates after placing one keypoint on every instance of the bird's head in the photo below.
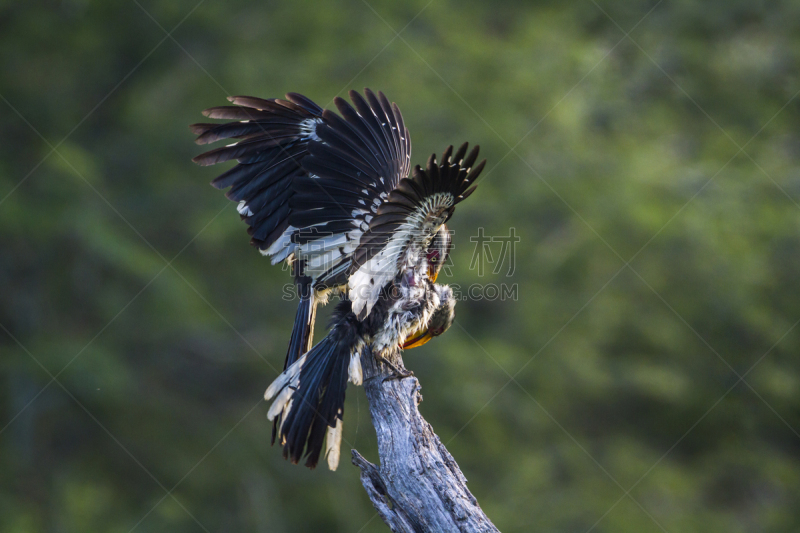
(438, 252)
(441, 319)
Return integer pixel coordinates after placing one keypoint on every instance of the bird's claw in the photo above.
(396, 372)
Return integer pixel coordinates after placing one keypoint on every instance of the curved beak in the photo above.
(417, 339)
(433, 273)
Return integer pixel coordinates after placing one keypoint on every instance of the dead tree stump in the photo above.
(418, 486)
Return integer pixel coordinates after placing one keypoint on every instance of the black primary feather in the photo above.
(275, 138)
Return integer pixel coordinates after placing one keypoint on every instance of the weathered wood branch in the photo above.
(418, 486)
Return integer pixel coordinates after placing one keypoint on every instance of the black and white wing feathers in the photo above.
(272, 139)
(407, 220)
(356, 160)
(331, 191)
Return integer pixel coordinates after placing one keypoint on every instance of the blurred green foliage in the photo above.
(130, 279)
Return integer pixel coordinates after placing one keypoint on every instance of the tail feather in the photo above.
(317, 383)
(333, 444)
(331, 409)
(303, 329)
(302, 337)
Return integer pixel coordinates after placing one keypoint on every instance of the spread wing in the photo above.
(331, 190)
(309, 181)
(356, 160)
(272, 138)
(407, 220)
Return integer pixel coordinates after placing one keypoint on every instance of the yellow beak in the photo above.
(417, 339)
(432, 274)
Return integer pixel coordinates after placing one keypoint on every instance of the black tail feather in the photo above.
(318, 381)
(331, 407)
(303, 331)
(317, 402)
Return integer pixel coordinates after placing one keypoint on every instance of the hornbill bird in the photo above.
(331, 195)
(309, 395)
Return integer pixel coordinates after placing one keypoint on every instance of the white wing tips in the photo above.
(282, 247)
(354, 371)
(333, 444)
(244, 209)
(273, 388)
(280, 402)
(280, 382)
(287, 377)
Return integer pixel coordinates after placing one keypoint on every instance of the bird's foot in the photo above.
(396, 372)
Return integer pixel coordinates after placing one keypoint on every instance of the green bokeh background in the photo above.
(653, 182)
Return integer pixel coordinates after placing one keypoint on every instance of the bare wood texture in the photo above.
(418, 486)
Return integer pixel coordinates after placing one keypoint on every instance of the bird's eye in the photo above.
(433, 256)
